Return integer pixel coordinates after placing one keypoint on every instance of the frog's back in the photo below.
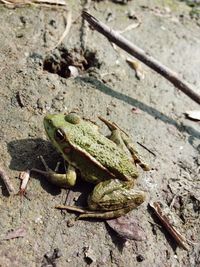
(85, 137)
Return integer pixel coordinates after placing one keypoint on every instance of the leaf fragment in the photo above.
(193, 114)
(19, 232)
(127, 227)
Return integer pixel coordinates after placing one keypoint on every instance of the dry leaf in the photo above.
(193, 114)
(20, 232)
(136, 65)
(127, 227)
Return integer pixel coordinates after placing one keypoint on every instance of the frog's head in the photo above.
(58, 128)
(53, 124)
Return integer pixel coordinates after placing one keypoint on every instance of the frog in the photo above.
(108, 162)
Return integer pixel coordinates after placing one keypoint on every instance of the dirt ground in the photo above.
(151, 110)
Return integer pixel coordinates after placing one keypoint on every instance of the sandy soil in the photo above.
(150, 110)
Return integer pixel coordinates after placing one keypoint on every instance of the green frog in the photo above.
(107, 162)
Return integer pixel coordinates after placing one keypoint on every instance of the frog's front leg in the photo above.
(64, 180)
(119, 137)
(113, 198)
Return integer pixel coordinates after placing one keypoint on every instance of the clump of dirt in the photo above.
(67, 63)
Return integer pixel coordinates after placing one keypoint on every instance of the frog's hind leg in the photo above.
(64, 180)
(113, 198)
(122, 139)
(134, 153)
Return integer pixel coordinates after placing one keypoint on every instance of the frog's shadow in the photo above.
(25, 154)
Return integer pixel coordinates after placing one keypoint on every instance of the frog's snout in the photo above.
(46, 123)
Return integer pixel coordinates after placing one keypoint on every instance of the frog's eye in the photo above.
(59, 135)
(72, 118)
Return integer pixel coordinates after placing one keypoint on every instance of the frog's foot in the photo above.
(104, 215)
(122, 139)
(65, 180)
(85, 213)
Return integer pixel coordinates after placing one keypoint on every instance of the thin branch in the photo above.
(146, 149)
(9, 186)
(66, 31)
(73, 208)
(180, 240)
(140, 54)
(84, 26)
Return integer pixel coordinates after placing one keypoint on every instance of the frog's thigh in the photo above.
(117, 197)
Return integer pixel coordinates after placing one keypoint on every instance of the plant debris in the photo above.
(150, 151)
(180, 240)
(127, 227)
(9, 186)
(20, 232)
(137, 66)
(18, 3)
(136, 110)
(24, 176)
(131, 26)
(193, 114)
(66, 31)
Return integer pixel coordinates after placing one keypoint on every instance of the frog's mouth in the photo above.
(49, 127)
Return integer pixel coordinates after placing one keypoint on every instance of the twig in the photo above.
(140, 54)
(146, 149)
(180, 240)
(84, 26)
(7, 182)
(19, 3)
(72, 208)
(66, 31)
